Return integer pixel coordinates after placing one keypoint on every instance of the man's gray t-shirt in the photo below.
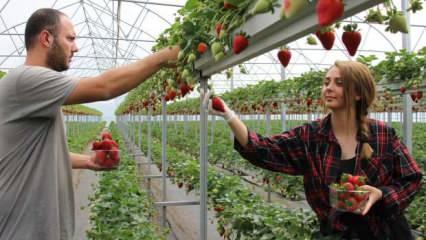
(36, 193)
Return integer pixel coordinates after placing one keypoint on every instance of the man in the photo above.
(36, 193)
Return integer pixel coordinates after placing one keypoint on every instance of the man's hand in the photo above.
(92, 165)
(375, 195)
(173, 53)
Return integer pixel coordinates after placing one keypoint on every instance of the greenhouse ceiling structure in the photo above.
(115, 32)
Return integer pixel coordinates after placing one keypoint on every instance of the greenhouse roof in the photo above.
(103, 46)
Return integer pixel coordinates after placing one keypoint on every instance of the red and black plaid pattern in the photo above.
(312, 150)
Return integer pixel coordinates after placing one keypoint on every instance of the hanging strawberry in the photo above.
(202, 48)
(397, 23)
(351, 38)
(293, 7)
(228, 5)
(263, 6)
(218, 28)
(284, 55)
(329, 11)
(240, 43)
(326, 37)
(311, 40)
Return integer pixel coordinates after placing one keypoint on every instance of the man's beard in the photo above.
(56, 58)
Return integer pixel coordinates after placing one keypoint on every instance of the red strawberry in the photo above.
(328, 11)
(106, 135)
(202, 48)
(351, 38)
(308, 101)
(326, 38)
(227, 5)
(240, 43)
(100, 157)
(348, 186)
(97, 145)
(185, 89)
(218, 28)
(284, 55)
(219, 208)
(217, 104)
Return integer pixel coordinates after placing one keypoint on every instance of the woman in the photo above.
(343, 141)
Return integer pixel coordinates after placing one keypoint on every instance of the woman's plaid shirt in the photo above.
(312, 150)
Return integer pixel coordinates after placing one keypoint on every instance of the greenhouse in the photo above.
(220, 119)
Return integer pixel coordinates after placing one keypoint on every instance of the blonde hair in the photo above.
(358, 82)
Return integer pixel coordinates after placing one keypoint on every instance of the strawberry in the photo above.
(218, 28)
(416, 95)
(100, 157)
(262, 6)
(326, 38)
(228, 5)
(351, 38)
(240, 43)
(191, 58)
(328, 11)
(216, 48)
(219, 208)
(345, 178)
(311, 40)
(217, 104)
(348, 186)
(284, 55)
(308, 101)
(97, 145)
(106, 135)
(293, 7)
(397, 23)
(202, 48)
(185, 88)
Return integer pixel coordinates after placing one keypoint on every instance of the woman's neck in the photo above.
(343, 124)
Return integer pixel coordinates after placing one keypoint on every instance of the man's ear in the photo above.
(46, 39)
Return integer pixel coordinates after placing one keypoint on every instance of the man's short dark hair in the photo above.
(44, 18)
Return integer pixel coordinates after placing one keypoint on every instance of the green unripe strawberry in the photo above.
(262, 6)
(216, 48)
(311, 40)
(219, 56)
(191, 58)
(398, 23)
(181, 55)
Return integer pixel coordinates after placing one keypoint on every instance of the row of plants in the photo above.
(119, 209)
(240, 213)
(400, 72)
(221, 152)
(80, 109)
(222, 155)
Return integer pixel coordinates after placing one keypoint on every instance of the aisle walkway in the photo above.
(83, 181)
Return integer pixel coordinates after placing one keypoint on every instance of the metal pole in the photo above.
(408, 104)
(408, 122)
(203, 161)
(283, 117)
(149, 143)
(164, 158)
(268, 132)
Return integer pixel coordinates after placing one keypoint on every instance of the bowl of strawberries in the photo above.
(347, 195)
(106, 152)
